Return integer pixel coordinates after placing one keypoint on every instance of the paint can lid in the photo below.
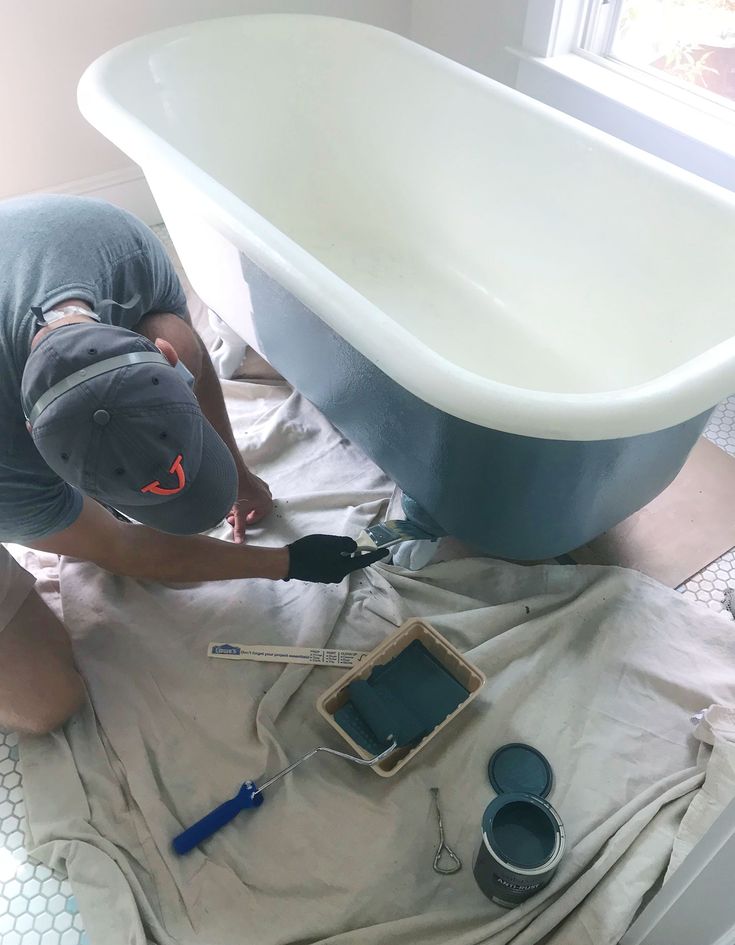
(518, 768)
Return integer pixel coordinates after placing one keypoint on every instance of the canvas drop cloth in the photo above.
(599, 668)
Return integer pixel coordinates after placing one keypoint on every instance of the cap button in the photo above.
(101, 417)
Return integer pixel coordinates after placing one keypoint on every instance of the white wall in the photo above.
(45, 45)
(474, 32)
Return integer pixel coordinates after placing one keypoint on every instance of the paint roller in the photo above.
(385, 720)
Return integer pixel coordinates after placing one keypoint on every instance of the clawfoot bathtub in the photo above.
(523, 321)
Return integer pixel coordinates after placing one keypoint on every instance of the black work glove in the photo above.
(324, 559)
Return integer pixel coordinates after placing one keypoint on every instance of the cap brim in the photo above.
(208, 499)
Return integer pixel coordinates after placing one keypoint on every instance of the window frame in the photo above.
(600, 24)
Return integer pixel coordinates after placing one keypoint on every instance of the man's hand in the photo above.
(253, 503)
(326, 559)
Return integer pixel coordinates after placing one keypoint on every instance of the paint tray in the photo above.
(417, 667)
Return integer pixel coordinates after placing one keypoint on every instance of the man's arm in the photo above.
(140, 552)
(253, 499)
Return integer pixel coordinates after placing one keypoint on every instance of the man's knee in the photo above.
(40, 687)
(51, 711)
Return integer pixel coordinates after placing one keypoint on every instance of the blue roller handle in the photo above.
(247, 796)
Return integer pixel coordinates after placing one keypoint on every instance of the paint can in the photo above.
(522, 835)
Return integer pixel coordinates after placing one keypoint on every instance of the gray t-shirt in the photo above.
(55, 248)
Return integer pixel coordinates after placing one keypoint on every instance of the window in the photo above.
(659, 74)
(689, 43)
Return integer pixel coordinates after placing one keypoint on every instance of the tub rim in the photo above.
(671, 398)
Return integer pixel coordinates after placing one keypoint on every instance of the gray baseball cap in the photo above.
(112, 417)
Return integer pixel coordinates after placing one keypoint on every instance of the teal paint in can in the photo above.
(523, 837)
(522, 843)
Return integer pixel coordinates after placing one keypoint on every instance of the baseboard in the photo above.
(126, 188)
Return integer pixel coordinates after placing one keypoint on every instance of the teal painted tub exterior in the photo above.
(517, 497)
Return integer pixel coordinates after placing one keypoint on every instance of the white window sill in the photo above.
(694, 138)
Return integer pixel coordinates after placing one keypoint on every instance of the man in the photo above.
(109, 401)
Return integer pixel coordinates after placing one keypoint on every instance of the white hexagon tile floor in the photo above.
(38, 908)
(713, 585)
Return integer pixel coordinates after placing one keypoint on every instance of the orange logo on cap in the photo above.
(157, 489)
